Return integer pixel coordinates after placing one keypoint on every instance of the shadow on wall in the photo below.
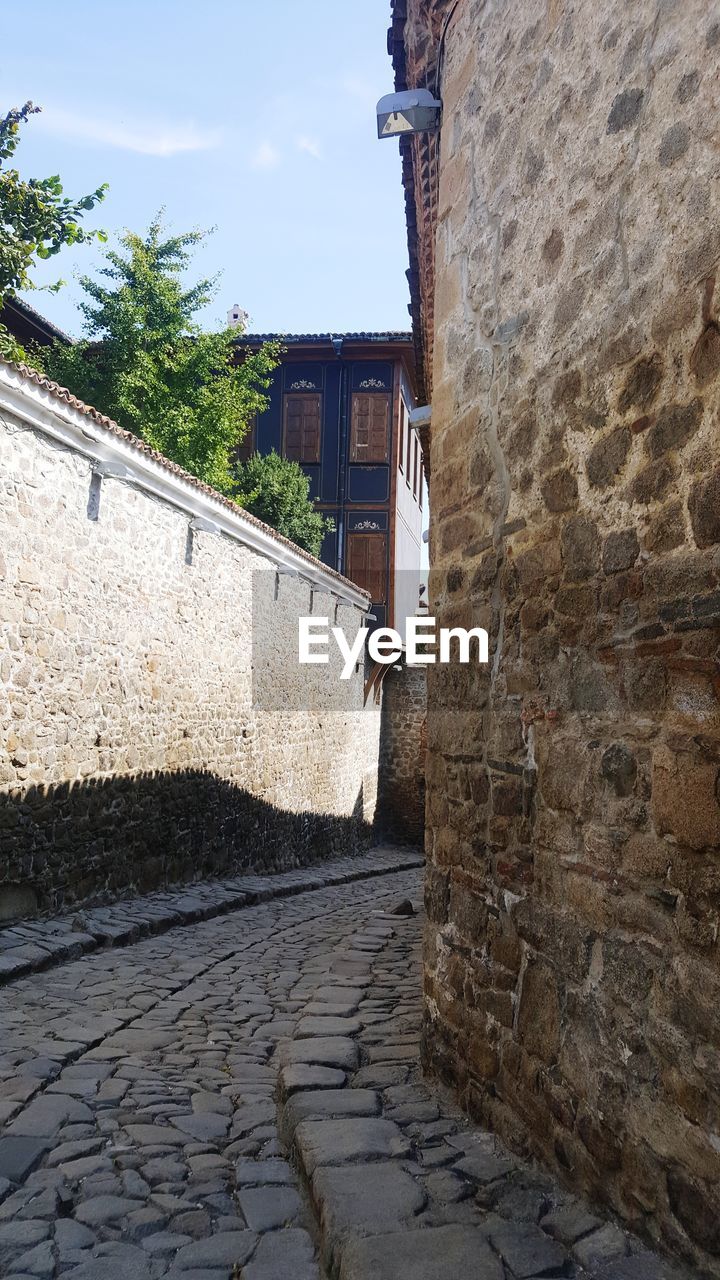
(95, 840)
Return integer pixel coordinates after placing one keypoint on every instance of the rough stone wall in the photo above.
(131, 753)
(413, 47)
(572, 978)
(403, 741)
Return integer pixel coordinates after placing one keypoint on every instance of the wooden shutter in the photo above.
(367, 563)
(370, 423)
(302, 427)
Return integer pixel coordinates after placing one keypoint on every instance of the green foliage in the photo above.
(277, 491)
(147, 364)
(36, 220)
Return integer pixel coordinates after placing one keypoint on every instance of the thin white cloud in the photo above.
(309, 145)
(147, 138)
(265, 156)
(357, 87)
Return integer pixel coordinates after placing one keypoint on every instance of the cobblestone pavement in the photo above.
(32, 945)
(241, 1098)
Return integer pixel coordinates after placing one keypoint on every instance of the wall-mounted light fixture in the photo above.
(420, 417)
(413, 111)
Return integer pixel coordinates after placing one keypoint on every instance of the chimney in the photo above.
(236, 317)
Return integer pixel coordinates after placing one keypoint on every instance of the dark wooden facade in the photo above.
(339, 406)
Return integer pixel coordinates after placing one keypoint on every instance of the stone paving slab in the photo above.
(352, 1202)
(19, 1155)
(324, 1104)
(339, 1052)
(283, 1255)
(304, 1076)
(328, 1142)
(450, 1252)
(30, 946)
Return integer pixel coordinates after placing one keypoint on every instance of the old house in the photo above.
(564, 246)
(340, 406)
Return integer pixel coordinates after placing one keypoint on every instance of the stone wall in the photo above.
(403, 742)
(572, 978)
(132, 751)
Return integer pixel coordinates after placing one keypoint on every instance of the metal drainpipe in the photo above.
(342, 440)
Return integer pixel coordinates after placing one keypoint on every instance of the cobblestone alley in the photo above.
(241, 1097)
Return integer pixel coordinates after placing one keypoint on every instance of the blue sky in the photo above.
(257, 119)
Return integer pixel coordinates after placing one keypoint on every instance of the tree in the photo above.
(277, 491)
(36, 220)
(147, 363)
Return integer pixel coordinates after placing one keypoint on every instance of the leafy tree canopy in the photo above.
(277, 491)
(36, 220)
(147, 363)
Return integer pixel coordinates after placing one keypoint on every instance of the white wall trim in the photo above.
(40, 410)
